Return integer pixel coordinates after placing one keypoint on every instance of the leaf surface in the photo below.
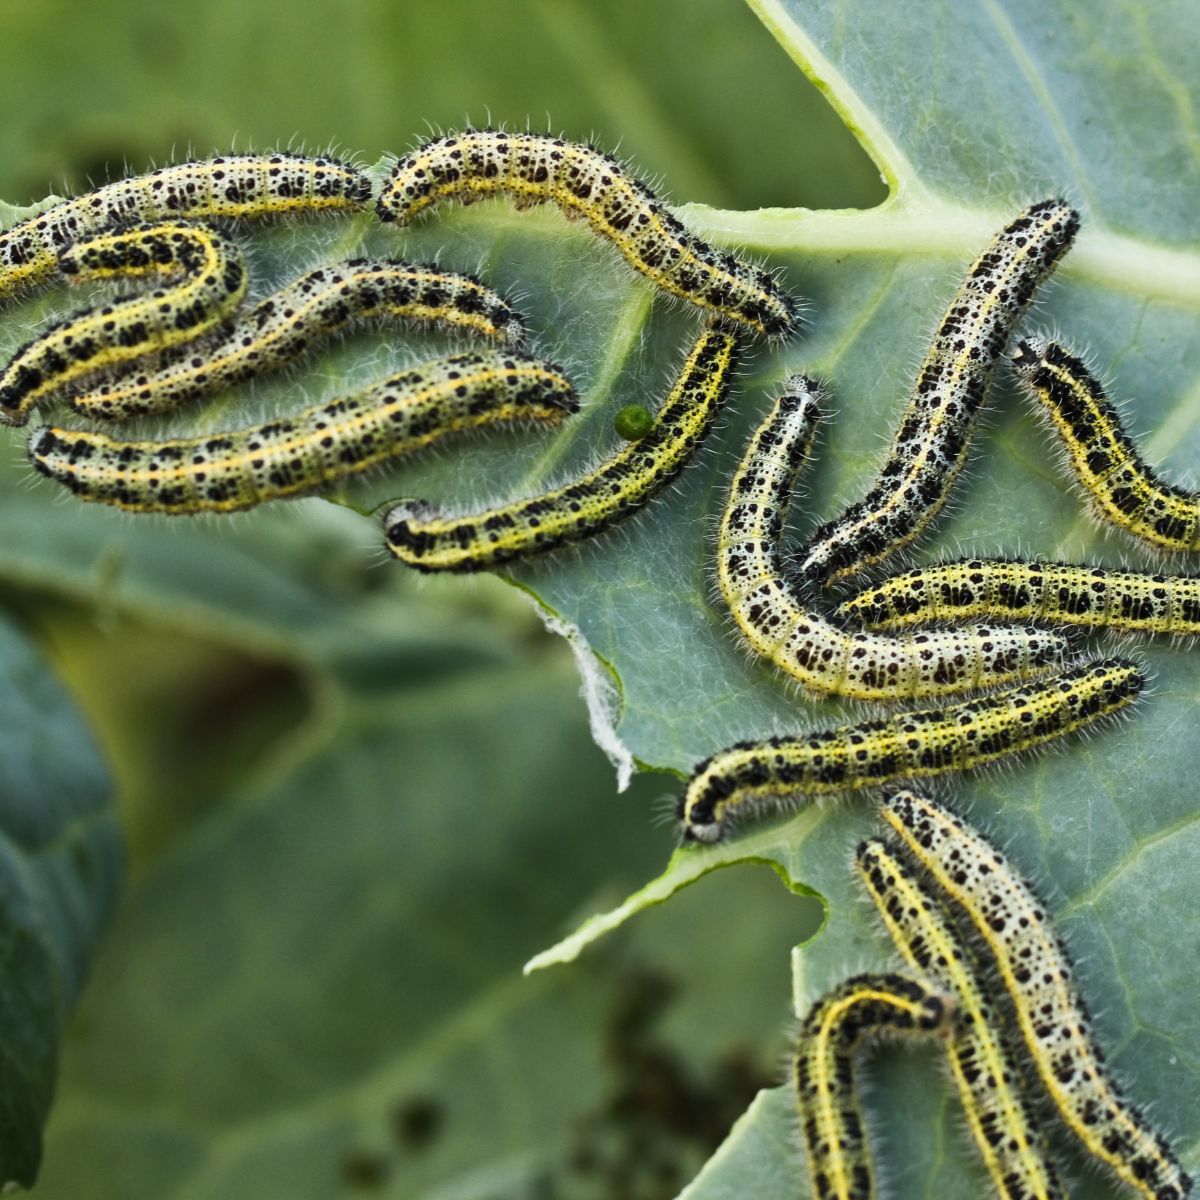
(970, 112)
(60, 863)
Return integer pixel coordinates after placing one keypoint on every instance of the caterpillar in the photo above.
(1035, 969)
(823, 1072)
(990, 1077)
(419, 536)
(237, 185)
(213, 285)
(287, 323)
(825, 657)
(750, 776)
(1009, 589)
(1123, 489)
(931, 444)
(225, 472)
(587, 184)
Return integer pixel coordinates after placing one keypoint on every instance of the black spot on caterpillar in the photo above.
(235, 185)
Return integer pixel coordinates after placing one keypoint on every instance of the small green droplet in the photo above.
(633, 422)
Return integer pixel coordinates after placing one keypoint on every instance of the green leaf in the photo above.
(305, 1000)
(759, 1157)
(969, 112)
(60, 860)
(1020, 108)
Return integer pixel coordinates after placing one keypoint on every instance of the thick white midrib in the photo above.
(897, 171)
(926, 227)
(913, 218)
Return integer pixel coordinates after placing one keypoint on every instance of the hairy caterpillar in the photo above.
(1009, 589)
(750, 776)
(224, 472)
(213, 285)
(1122, 487)
(420, 537)
(236, 185)
(935, 431)
(1035, 969)
(590, 185)
(823, 1072)
(287, 323)
(990, 1077)
(824, 656)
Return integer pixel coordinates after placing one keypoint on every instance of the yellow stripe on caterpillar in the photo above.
(586, 183)
(289, 456)
(619, 487)
(235, 185)
(1034, 967)
(863, 1008)
(931, 444)
(987, 1069)
(289, 322)
(1123, 488)
(826, 657)
(1016, 590)
(751, 776)
(213, 284)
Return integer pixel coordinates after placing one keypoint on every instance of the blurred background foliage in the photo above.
(203, 728)
(693, 90)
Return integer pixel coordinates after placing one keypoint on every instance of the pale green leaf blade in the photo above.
(1107, 830)
(301, 1000)
(1014, 98)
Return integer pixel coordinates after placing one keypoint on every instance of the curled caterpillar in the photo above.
(1124, 490)
(588, 184)
(1009, 589)
(214, 283)
(863, 1008)
(283, 326)
(1035, 969)
(987, 1069)
(935, 431)
(822, 655)
(289, 456)
(235, 185)
(619, 487)
(750, 776)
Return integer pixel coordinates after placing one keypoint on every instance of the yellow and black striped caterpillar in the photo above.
(1008, 918)
(421, 537)
(289, 322)
(777, 622)
(1122, 487)
(1017, 590)
(234, 185)
(592, 186)
(748, 777)
(861, 1009)
(111, 336)
(931, 444)
(291, 456)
